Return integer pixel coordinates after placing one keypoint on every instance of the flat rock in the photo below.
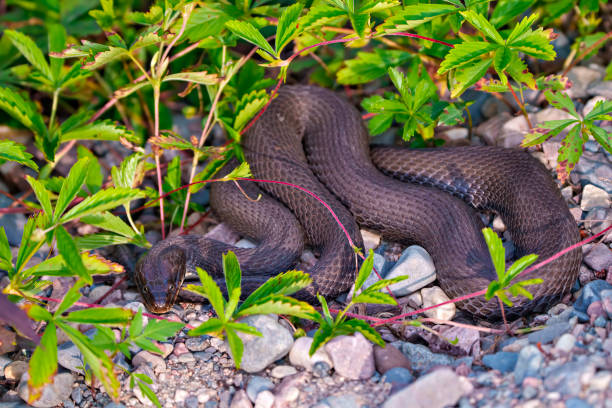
(599, 258)
(15, 370)
(371, 240)
(602, 89)
(438, 389)
(260, 352)
(528, 364)
(549, 333)
(241, 400)
(256, 385)
(590, 293)
(353, 356)
(593, 197)
(502, 361)
(434, 296)
(422, 359)
(415, 263)
(282, 371)
(299, 357)
(52, 394)
(581, 77)
(69, 356)
(156, 362)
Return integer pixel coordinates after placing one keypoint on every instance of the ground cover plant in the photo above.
(121, 73)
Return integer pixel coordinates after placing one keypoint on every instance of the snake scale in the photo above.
(311, 137)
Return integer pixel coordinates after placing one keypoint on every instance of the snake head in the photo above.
(159, 277)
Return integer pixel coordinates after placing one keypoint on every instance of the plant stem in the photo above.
(144, 71)
(54, 108)
(521, 106)
(156, 89)
(587, 52)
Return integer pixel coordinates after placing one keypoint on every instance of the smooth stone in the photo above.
(415, 263)
(566, 377)
(15, 370)
(422, 359)
(489, 130)
(599, 258)
(591, 292)
(601, 89)
(260, 352)
(528, 364)
(371, 240)
(468, 341)
(265, 399)
(4, 361)
(8, 341)
(388, 357)
(596, 310)
(352, 356)
(69, 356)
(282, 371)
(245, 243)
(593, 197)
(575, 402)
(241, 400)
(549, 333)
(566, 342)
(502, 361)
(581, 77)
(398, 377)
(144, 357)
(52, 394)
(435, 390)
(256, 385)
(77, 395)
(348, 400)
(498, 224)
(433, 296)
(299, 357)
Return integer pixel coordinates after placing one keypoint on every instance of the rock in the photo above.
(265, 399)
(241, 400)
(145, 357)
(576, 402)
(599, 213)
(602, 89)
(596, 310)
(590, 293)
(15, 370)
(180, 395)
(224, 234)
(566, 342)
(282, 371)
(456, 136)
(593, 197)
(468, 341)
(581, 77)
(352, 356)
(260, 352)
(298, 356)
(199, 343)
(437, 389)
(599, 258)
(551, 113)
(489, 130)
(70, 357)
(498, 224)
(528, 364)
(398, 377)
(8, 340)
(77, 395)
(549, 333)
(245, 243)
(433, 296)
(415, 263)
(388, 357)
(321, 369)
(349, 400)
(565, 378)
(52, 394)
(513, 131)
(502, 361)
(256, 385)
(371, 240)
(422, 359)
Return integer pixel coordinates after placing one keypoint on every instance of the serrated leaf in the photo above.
(356, 325)
(600, 111)
(43, 197)
(148, 392)
(502, 59)
(286, 283)
(287, 26)
(214, 326)
(30, 51)
(242, 171)
(371, 65)
(374, 298)
(364, 271)
(412, 16)
(16, 152)
(107, 315)
(6, 257)
(211, 291)
(22, 110)
(384, 283)
(483, 25)
(43, 363)
(153, 16)
(101, 201)
(318, 15)
(99, 130)
(145, 40)
(464, 54)
(379, 123)
(506, 10)
(569, 153)
(519, 72)
(232, 273)
(104, 57)
(360, 22)
(56, 266)
(561, 100)
(522, 27)
(128, 90)
(248, 106)
(95, 241)
(321, 336)
(160, 330)
(109, 222)
(279, 304)
(202, 78)
(131, 171)
(497, 252)
(236, 346)
(519, 266)
(71, 186)
(536, 44)
(247, 32)
(172, 142)
(68, 250)
(545, 131)
(603, 137)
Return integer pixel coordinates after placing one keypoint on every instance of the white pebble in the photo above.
(433, 296)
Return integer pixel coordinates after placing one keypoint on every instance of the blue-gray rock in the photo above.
(576, 402)
(13, 223)
(274, 343)
(415, 263)
(52, 394)
(566, 342)
(566, 377)
(606, 302)
(590, 293)
(398, 377)
(549, 333)
(114, 405)
(321, 369)
(503, 361)
(600, 321)
(69, 356)
(77, 395)
(529, 392)
(422, 359)
(528, 364)
(256, 385)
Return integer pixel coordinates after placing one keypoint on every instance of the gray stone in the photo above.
(69, 356)
(549, 333)
(422, 359)
(581, 77)
(282, 371)
(352, 356)
(241, 400)
(260, 352)
(528, 364)
(371, 240)
(398, 377)
(575, 402)
(606, 302)
(223, 233)
(349, 400)
(435, 390)
(388, 357)
(434, 296)
(489, 130)
(144, 357)
(415, 263)
(566, 342)
(599, 258)
(467, 341)
(199, 343)
(265, 399)
(256, 385)
(77, 395)
(588, 107)
(603, 89)
(321, 369)
(15, 370)
(245, 243)
(52, 394)
(593, 197)
(299, 357)
(565, 378)
(502, 361)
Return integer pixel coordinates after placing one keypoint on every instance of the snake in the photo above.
(314, 138)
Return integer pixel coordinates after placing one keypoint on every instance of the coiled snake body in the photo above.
(311, 137)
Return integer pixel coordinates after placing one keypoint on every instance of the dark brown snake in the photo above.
(311, 137)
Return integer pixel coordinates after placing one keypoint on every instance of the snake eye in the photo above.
(145, 289)
(171, 287)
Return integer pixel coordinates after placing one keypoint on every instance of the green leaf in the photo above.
(521, 28)
(247, 32)
(70, 253)
(321, 336)
(279, 304)
(22, 110)
(70, 297)
(364, 271)
(519, 266)
(232, 273)
(287, 26)
(211, 291)
(536, 44)
(147, 391)
(131, 172)
(412, 16)
(560, 100)
(43, 364)
(569, 153)
(236, 346)
(375, 298)
(425, 90)
(242, 171)
(95, 174)
(104, 57)
(248, 106)
(492, 289)
(357, 325)
(101, 201)
(468, 76)
(30, 51)
(6, 257)
(107, 315)
(483, 25)
(99, 130)
(136, 324)
(359, 22)
(71, 186)
(379, 123)
(42, 194)
(371, 65)
(153, 16)
(13, 151)
(202, 78)
(160, 330)
(384, 283)
(286, 283)
(214, 326)
(502, 59)
(464, 54)
(129, 89)
(109, 222)
(29, 244)
(244, 328)
(546, 130)
(57, 43)
(603, 137)
(318, 15)
(56, 266)
(497, 251)
(506, 10)
(601, 111)
(519, 72)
